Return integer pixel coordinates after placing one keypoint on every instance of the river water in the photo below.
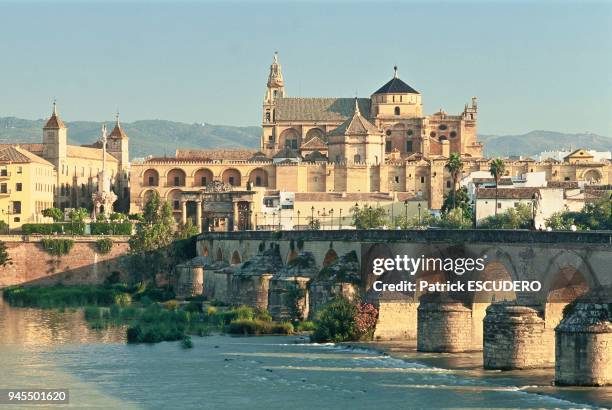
(49, 349)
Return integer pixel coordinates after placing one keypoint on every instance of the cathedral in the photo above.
(389, 124)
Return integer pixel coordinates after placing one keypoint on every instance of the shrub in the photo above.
(259, 327)
(186, 343)
(75, 228)
(57, 247)
(343, 320)
(171, 305)
(112, 228)
(193, 307)
(104, 245)
(61, 296)
(263, 315)
(306, 326)
(123, 299)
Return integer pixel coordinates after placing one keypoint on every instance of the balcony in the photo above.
(4, 193)
(4, 175)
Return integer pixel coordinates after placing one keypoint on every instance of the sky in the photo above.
(533, 65)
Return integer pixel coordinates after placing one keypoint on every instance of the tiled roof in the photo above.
(118, 132)
(286, 153)
(55, 122)
(16, 154)
(34, 148)
(76, 151)
(216, 154)
(507, 193)
(314, 143)
(319, 109)
(396, 86)
(562, 184)
(357, 125)
(315, 156)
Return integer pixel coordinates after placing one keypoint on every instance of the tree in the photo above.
(368, 217)
(462, 201)
(186, 230)
(454, 166)
(596, 215)
(5, 259)
(519, 217)
(78, 214)
(54, 213)
(497, 169)
(454, 219)
(150, 246)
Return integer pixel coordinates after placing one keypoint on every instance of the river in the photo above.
(50, 349)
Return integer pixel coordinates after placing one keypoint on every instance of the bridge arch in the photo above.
(330, 257)
(236, 259)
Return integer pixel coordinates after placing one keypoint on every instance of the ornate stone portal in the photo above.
(104, 198)
(218, 207)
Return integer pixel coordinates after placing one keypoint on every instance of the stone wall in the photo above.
(397, 320)
(84, 264)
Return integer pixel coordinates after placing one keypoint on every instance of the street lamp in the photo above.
(298, 219)
(419, 208)
(331, 217)
(273, 219)
(312, 217)
(340, 220)
(406, 210)
(533, 213)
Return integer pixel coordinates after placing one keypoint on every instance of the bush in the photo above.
(343, 320)
(104, 245)
(259, 327)
(76, 228)
(112, 228)
(306, 326)
(171, 305)
(57, 247)
(263, 315)
(61, 296)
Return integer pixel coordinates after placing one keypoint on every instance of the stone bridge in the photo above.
(562, 265)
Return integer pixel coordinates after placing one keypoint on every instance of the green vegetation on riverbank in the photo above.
(150, 315)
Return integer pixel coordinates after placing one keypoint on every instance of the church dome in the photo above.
(396, 86)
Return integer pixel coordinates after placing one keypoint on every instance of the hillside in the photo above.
(160, 137)
(535, 142)
(147, 137)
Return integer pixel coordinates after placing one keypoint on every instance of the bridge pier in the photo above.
(190, 280)
(514, 338)
(584, 346)
(444, 327)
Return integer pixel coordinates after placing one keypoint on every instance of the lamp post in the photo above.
(255, 220)
(406, 210)
(273, 219)
(312, 217)
(419, 208)
(340, 220)
(331, 217)
(298, 219)
(474, 214)
(533, 212)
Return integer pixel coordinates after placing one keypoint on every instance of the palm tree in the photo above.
(497, 169)
(454, 166)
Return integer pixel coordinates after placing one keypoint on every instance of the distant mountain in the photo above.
(159, 137)
(147, 137)
(535, 142)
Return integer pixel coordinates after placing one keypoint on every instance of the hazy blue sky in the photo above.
(533, 65)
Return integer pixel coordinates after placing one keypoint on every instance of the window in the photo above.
(177, 181)
(291, 143)
(176, 205)
(257, 181)
(19, 170)
(432, 134)
(388, 133)
(3, 189)
(448, 184)
(409, 132)
(18, 187)
(231, 180)
(566, 178)
(442, 127)
(422, 180)
(408, 146)
(396, 179)
(397, 110)
(388, 146)
(203, 181)
(3, 172)
(271, 138)
(151, 180)
(275, 93)
(499, 205)
(268, 116)
(357, 159)
(16, 207)
(453, 134)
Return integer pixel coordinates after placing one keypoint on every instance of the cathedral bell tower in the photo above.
(275, 89)
(55, 140)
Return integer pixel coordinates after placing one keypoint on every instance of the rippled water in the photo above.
(46, 349)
